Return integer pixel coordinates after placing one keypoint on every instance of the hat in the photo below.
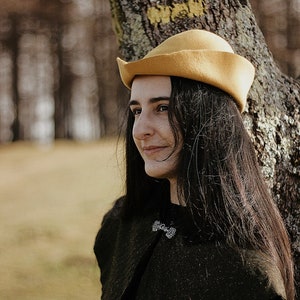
(199, 55)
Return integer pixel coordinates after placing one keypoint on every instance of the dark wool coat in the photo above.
(139, 261)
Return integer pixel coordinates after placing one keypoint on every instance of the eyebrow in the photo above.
(151, 100)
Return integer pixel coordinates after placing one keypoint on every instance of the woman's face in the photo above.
(152, 134)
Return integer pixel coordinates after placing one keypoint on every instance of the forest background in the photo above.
(59, 84)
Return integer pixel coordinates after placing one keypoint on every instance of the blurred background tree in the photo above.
(58, 77)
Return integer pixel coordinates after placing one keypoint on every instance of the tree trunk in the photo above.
(272, 115)
(15, 125)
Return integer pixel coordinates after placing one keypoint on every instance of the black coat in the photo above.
(139, 263)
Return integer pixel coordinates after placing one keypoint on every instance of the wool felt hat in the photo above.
(199, 55)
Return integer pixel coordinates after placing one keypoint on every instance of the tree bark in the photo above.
(272, 115)
(15, 93)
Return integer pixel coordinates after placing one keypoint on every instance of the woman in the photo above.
(197, 221)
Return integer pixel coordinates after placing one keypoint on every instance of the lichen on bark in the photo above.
(167, 13)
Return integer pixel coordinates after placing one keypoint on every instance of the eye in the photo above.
(163, 107)
(136, 111)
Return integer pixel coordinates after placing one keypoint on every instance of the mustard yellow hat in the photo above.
(199, 55)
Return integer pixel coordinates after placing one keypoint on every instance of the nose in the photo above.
(143, 127)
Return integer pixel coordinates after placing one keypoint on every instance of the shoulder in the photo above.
(259, 263)
(107, 236)
(117, 229)
(113, 216)
(254, 271)
(115, 211)
(119, 246)
(234, 274)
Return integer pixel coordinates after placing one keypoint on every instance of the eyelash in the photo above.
(160, 108)
(164, 106)
(136, 111)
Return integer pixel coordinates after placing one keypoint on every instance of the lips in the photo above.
(149, 150)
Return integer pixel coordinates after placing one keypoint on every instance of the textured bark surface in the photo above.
(272, 115)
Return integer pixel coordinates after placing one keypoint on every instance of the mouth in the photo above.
(149, 150)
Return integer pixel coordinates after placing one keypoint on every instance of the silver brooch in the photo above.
(170, 231)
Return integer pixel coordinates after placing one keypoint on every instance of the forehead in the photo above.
(150, 86)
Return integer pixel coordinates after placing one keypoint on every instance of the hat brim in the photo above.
(229, 72)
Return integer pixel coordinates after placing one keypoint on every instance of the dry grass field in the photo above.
(52, 202)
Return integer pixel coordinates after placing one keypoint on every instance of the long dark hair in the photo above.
(219, 179)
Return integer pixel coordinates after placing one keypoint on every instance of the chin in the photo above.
(158, 175)
(154, 173)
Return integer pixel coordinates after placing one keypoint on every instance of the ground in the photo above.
(52, 201)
